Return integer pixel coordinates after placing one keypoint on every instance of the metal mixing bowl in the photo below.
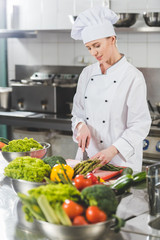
(59, 232)
(23, 186)
(126, 19)
(152, 19)
(9, 156)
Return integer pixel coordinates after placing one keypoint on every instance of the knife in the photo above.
(85, 155)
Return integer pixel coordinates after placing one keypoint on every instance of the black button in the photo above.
(103, 121)
(91, 79)
(87, 118)
(101, 141)
(85, 96)
(114, 81)
(106, 100)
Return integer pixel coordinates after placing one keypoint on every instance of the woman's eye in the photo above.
(97, 46)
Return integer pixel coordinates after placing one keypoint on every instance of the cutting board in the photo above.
(105, 175)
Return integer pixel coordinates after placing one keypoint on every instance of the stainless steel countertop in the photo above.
(14, 227)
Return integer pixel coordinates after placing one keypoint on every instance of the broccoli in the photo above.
(53, 160)
(101, 196)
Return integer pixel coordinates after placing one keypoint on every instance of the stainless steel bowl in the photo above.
(126, 19)
(9, 156)
(152, 19)
(59, 232)
(23, 186)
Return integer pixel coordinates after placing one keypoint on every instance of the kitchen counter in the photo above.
(35, 120)
(14, 227)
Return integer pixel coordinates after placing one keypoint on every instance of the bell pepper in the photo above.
(63, 170)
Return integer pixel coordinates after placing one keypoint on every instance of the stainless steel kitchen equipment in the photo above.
(151, 145)
(41, 153)
(23, 186)
(5, 98)
(152, 19)
(126, 19)
(153, 184)
(49, 90)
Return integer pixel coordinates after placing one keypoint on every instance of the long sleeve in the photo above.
(78, 111)
(138, 120)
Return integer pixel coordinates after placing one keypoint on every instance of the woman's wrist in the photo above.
(79, 125)
(114, 151)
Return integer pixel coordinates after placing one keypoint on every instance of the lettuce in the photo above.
(56, 193)
(22, 145)
(28, 168)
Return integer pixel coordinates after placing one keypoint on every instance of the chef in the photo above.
(110, 113)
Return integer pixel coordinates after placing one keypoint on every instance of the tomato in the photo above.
(81, 182)
(93, 178)
(72, 208)
(2, 144)
(80, 220)
(95, 215)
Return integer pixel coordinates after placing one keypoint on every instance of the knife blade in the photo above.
(85, 155)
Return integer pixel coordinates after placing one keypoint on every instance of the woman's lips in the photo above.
(99, 58)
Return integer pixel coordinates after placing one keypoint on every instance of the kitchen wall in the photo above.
(57, 48)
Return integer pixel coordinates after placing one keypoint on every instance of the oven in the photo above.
(45, 92)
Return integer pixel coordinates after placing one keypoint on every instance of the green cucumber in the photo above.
(122, 184)
(127, 170)
(139, 177)
(4, 140)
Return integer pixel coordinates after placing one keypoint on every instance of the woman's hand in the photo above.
(83, 136)
(105, 155)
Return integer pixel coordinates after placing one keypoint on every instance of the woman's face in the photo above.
(101, 49)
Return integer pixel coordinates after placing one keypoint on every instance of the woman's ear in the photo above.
(113, 39)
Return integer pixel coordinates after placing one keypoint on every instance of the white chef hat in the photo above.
(94, 23)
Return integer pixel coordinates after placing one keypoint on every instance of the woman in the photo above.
(110, 112)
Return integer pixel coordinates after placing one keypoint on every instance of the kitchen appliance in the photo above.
(48, 90)
(153, 185)
(45, 93)
(5, 98)
(151, 145)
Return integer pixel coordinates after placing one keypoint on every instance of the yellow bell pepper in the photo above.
(57, 169)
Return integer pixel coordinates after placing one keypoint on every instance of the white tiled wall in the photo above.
(57, 48)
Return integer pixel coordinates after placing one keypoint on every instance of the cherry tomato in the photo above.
(80, 220)
(95, 215)
(93, 178)
(81, 182)
(72, 208)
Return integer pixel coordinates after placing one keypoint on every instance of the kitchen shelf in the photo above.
(4, 33)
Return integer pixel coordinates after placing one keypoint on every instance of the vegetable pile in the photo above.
(87, 166)
(27, 168)
(22, 145)
(64, 204)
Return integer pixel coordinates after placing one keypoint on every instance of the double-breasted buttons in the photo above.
(87, 118)
(103, 121)
(106, 100)
(114, 81)
(101, 141)
(92, 79)
(85, 97)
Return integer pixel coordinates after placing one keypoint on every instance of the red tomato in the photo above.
(81, 182)
(95, 215)
(80, 220)
(93, 178)
(72, 208)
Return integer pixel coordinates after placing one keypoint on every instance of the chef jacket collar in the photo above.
(115, 66)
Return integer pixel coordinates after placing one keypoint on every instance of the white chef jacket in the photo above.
(114, 107)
